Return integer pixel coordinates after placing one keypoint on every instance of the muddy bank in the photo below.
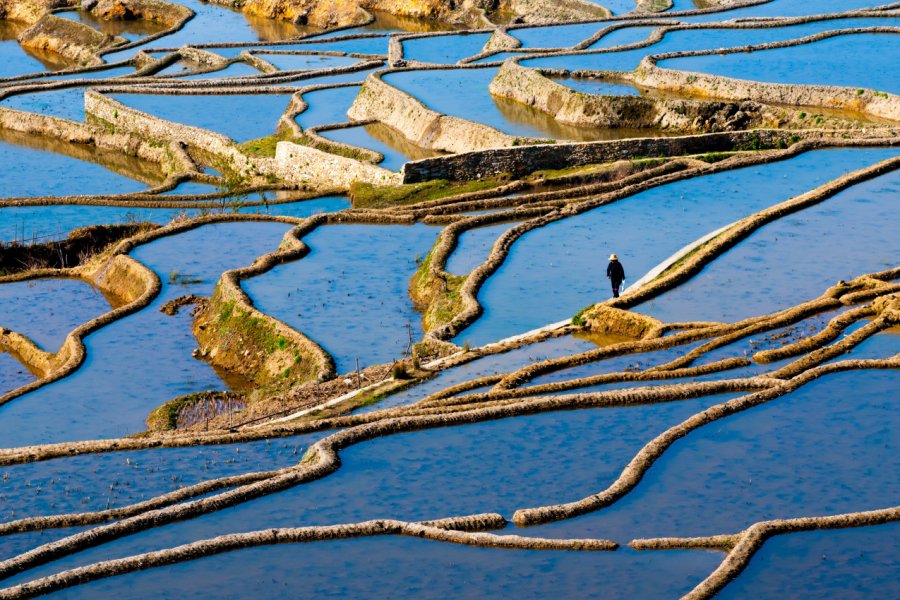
(80, 246)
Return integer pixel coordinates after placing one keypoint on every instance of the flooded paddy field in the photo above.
(683, 211)
(147, 340)
(33, 308)
(806, 64)
(355, 277)
(364, 301)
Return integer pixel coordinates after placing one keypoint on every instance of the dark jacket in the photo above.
(615, 272)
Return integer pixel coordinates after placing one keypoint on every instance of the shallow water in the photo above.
(883, 345)
(464, 93)
(26, 171)
(293, 62)
(618, 7)
(445, 50)
(699, 39)
(374, 46)
(473, 247)
(622, 37)
(56, 222)
(112, 393)
(850, 563)
(500, 56)
(461, 93)
(66, 103)
(131, 30)
(627, 362)
(14, 59)
(350, 292)
(90, 482)
(233, 70)
(488, 365)
(46, 310)
(327, 107)
(793, 259)
(559, 36)
(598, 86)
(101, 74)
(12, 374)
(441, 472)
(352, 77)
(380, 138)
(353, 568)
(812, 452)
(214, 23)
(192, 187)
(259, 112)
(555, 270)
(845, 60)
(786, 8)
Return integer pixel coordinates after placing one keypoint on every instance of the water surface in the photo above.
(845, 60)
(555, 270)
(793, 259)
(143, 360)
(350, 292)
(850, 563)
(46, 310)
(259, 112)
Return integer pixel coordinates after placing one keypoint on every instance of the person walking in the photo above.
(615, 273)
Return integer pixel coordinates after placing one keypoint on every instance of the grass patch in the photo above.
(438, 299)
(714, 157)
(265, 146)
(578, 319)
(367, 195)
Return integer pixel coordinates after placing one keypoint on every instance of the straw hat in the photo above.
(613, 257)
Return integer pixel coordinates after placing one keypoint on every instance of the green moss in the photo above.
(367, 195)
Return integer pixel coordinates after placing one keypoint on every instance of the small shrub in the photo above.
(398, 371)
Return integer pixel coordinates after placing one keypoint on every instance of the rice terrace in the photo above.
(449, 298)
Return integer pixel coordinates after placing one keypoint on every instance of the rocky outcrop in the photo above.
(331, 13)
(29, 11)
(309, 12)
(550, 11)
(156, 11)
(572, 107)
(73, 40)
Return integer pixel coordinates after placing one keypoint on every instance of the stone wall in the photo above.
(378, 101)
(157, 11)
(306, 165)
(71, 133)
(292, 163)
(523, 160)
